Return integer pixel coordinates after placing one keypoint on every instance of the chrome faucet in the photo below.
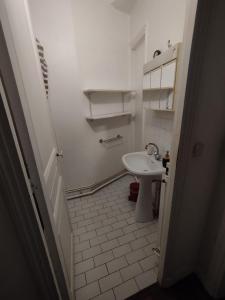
(155, 151)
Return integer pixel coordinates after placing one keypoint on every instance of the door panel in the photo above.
(55, 190)
(137, 85)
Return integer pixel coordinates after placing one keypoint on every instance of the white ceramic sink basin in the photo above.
(147, 168)
(140, 163)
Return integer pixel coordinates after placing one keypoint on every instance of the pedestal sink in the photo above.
(147, 168)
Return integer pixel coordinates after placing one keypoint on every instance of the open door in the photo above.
(30, 112)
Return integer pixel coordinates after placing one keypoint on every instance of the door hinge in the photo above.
(59, 154)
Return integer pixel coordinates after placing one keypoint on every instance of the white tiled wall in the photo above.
(158, 128)
(113, 256)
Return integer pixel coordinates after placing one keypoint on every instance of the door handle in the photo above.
(59, 154)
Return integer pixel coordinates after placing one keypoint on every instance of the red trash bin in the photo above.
(134, 189)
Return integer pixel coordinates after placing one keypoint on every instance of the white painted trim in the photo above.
(146, 42)
(182, 72)
(94, 188)
(134, 43)
(50, 163)
(56, 212)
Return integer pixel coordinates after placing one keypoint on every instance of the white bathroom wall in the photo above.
(158, 128)
(164, 20)
(86, 45)
(102, 35)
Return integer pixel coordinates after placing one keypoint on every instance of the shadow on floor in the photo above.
(187, 289)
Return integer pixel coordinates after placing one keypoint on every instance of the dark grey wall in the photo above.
(203, 122)
(16, 278)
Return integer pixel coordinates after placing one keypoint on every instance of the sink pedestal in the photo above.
(144, 211)
(146, 167)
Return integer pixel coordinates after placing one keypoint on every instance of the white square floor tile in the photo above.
(114, 234)
(124, 239)
(79, 281)
(87, 236)
(126, 290)
(103, 230)
(91, 252)
(139, 243)
(148, 263)
(96, 273)
(88, 292)
(117, 264)
(84, 266)
(113, 256)
(77, 257)
(130, 271)
(119, 224)
(146, 279)
(110, 281)
(109, 245)
(82, 246)
(122, 250)
(109, 295)
(148, 249)
(103, 258)
(98, 240)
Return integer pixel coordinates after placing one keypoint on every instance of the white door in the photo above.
(137, 85)
(22, 48)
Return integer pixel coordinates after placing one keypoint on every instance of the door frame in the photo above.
(212, 276)
(134, 43)
(182, 74)
(182, 71)
(24, 128)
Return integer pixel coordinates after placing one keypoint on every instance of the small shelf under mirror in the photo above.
(91, 91)
(159, 89)
(162, 110)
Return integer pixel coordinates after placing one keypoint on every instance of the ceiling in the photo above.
(123, 5)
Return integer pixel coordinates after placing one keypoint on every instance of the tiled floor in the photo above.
(112, 253)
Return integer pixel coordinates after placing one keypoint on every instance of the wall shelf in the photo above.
(159, 89)
(108, 109)
(107, 116)
(91, 91)
(159, 80)
(162, 110)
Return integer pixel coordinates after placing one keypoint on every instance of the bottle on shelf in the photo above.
(165, 160)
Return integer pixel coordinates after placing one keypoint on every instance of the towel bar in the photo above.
(118, 137)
